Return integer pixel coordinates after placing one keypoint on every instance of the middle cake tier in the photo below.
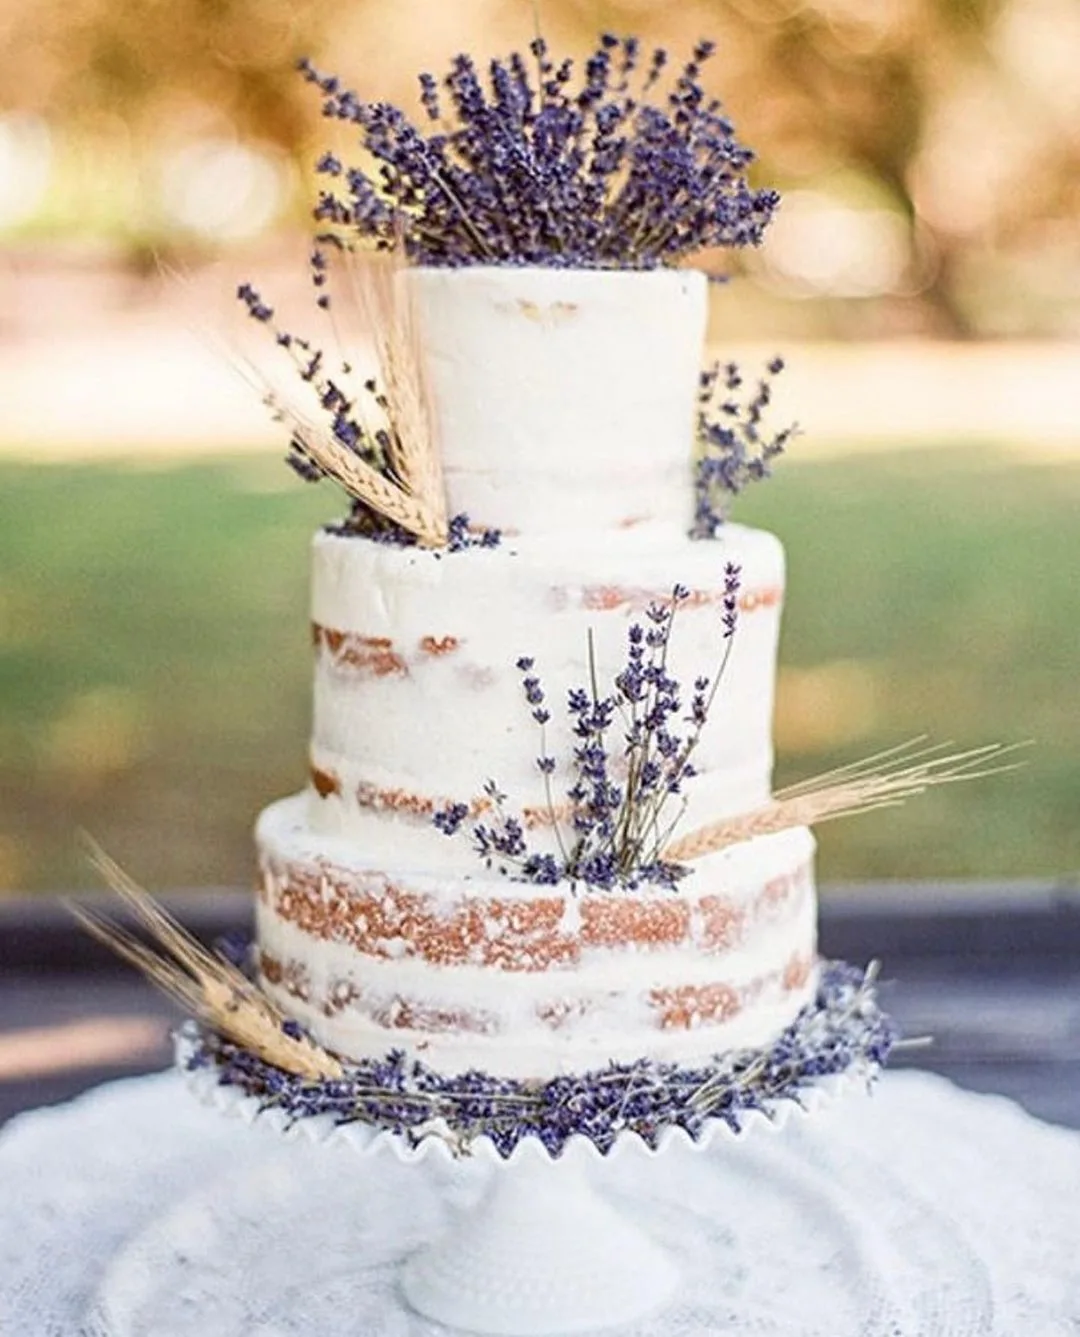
(419, 700)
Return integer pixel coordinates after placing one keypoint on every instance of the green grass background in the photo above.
(155, 665)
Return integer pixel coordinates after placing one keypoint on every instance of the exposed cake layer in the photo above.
(563, 399)
(418, 700)
(530, 981)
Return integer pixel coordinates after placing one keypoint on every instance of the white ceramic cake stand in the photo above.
(541, 1252)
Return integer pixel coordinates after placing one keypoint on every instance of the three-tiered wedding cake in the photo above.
(564, 406)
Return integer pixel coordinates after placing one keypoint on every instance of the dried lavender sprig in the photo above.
(701, 705)
(384, 428)
(733, 449)
(540, 165)
(619, 832)
(348, 424)
(653, 700)
(343, 413)
(545, 763)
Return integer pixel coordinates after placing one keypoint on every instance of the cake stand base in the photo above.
(926, 1211)
(541, 1253)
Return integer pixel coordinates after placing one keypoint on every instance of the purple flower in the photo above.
(732, 582)
(257, 308)
(733, 451)
(448, 820)
(535, 165)
(619, 781)
(461, 537)
(542, 869)
(234, 947)
(429, 95)
(841, 1028)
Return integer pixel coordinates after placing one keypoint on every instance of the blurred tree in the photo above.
(920, 103)
(845, 86)
(225, 61)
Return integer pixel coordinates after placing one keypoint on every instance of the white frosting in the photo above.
(441, 722)
(563, 399)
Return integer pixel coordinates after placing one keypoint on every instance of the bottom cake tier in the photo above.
(525, 981)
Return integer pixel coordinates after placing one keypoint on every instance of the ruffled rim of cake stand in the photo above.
(840, 1038)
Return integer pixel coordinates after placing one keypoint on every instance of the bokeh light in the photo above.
(819, 245)
(26, 161)
(221, 190)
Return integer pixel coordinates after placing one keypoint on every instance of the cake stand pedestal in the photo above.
(540, 1253)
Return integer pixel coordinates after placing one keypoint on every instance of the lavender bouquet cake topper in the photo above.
(543, 165)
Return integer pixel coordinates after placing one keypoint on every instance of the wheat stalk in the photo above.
(200, 981)
(363, 482)
(385, 300)
(883, 780)
(414, 498)
(349, 471)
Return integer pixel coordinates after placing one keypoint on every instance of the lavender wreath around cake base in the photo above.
(843, 1030)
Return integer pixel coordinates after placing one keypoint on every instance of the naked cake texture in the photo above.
(563, 403)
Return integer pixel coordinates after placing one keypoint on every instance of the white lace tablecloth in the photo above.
(919, 1211)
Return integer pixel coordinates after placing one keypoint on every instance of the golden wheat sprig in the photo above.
(414, 498)
(913, 749)
(199, 980)
(882, 781)
(360, 480)
(384, 298)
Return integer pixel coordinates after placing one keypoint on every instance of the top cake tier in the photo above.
(563, 399)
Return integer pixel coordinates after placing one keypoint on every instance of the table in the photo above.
(917, 1211)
